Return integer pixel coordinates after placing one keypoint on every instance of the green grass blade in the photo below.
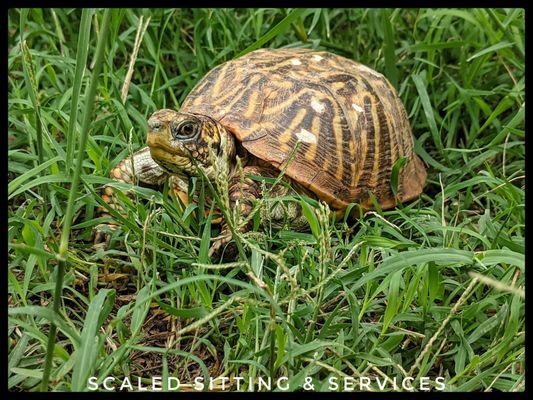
(15, 183)
(395, 173)
(496, 47)
(279, 29)
(417, 257)
(81, 64)
(48, 314)
(428, 111)
(391, 70)
(86, 354)
(31, 83)
(63, 247)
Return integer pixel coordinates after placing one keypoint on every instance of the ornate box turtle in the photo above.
(334, 126)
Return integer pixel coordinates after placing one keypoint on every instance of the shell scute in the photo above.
(346, 120)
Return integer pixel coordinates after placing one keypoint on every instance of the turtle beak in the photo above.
(158, 135)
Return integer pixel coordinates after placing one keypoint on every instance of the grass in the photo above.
(432, 288)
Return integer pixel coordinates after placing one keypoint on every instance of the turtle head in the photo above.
(181, 142)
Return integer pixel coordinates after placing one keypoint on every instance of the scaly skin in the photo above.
(182, 142)
(244, 192)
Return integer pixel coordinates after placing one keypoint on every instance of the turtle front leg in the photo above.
(139, 168)
(243, 194)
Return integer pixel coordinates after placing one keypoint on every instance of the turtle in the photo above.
(331, 127)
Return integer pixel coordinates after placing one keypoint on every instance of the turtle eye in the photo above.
(185, 130)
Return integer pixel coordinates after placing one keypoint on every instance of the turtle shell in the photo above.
(338, 124)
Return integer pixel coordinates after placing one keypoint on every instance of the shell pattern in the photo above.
(348, 119)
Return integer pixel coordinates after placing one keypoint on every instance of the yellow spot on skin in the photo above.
(108, 191)
(317, 106)
(305, 136)
(116, 173)
(357, 108)
(317, 58)
(183, 196)
(295, 61)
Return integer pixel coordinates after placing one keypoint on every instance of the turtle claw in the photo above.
(101, 235)
(215, 248)
(218, 244)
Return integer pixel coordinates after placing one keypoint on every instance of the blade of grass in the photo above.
(141, 29)
(31, 83)
(15, 183)
(390, 58)
(81, 64)
(86, 356)
(417, 257)
(496, 47)
(281, 27)
(63, 247)
(428, 111)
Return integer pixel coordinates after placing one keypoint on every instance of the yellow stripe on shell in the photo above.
(286, 136)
